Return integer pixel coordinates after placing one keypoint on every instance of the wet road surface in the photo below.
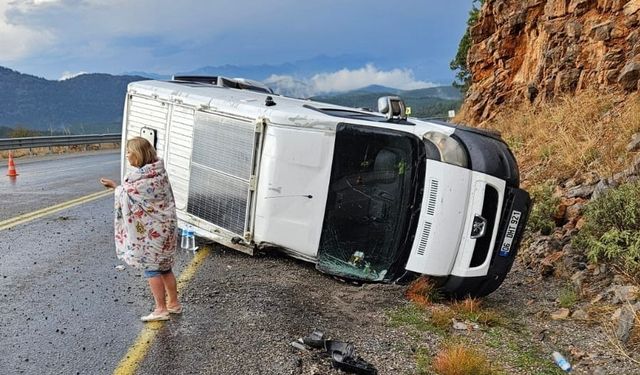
(45, 181)
(66, 309)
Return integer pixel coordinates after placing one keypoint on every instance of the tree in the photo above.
(459, 63)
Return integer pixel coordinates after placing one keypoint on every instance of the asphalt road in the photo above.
(45, 181)
(64, 308)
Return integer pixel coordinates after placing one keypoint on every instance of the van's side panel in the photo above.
(292, 188)
(178, 160)
(150, 113)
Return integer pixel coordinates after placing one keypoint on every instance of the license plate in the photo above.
(505, 249)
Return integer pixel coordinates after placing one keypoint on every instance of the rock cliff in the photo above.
(534, 50)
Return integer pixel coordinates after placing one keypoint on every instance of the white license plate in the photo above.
(505, 248)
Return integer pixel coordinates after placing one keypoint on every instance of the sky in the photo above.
(400, 43)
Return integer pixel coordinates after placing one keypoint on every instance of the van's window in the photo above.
(375, 184)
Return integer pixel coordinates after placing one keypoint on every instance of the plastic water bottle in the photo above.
(184, 239)
(561, 361)
(191, 239)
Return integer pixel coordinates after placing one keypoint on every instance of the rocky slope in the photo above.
(534, 50)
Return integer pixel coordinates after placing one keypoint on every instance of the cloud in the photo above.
(346, 80)
(48, 37)
(69, 75)
(18, 41)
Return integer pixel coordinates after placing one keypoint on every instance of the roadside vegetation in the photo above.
(572, 136)
(612, 229)
(545, 205)
(470, 338)
(580, 137)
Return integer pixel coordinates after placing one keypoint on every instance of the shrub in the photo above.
(612, 228)
(567, 297)
(544, 206)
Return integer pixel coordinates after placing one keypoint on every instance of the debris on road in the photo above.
(342, 353)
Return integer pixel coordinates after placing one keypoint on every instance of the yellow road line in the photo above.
(136, 353)
(9, 223)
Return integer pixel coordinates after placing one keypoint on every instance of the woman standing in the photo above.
(146, 225)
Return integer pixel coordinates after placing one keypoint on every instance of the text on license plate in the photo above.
(505, 248)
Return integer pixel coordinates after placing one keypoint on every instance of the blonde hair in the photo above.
(142, 151)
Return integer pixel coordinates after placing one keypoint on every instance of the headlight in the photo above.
(450, 150)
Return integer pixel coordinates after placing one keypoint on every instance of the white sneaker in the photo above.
(153, 317)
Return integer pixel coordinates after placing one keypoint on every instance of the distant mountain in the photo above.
(160, 77)
(376, 89)
(425, 103)
(93, 103)
(300, 68)
(88, 103)
(442, 92)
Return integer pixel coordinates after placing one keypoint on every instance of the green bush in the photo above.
(612, 227)
(544, 206)
(567, 297)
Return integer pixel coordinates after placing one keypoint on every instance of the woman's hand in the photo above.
(108, 183)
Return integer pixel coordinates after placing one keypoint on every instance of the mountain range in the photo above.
(93, 103)
(261, 72)
(87, 103)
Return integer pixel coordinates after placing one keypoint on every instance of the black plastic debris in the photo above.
(355, 365)
(342, 354)
(315, 340)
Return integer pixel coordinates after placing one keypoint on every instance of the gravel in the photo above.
(242, 313)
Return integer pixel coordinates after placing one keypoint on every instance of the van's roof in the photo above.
(284, 110)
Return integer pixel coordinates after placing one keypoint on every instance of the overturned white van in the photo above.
(364, 195)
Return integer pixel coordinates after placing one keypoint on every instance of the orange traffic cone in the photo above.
(12, 167)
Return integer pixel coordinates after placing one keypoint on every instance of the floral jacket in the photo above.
(145, 219)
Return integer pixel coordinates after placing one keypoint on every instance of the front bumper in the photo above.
(517, 204)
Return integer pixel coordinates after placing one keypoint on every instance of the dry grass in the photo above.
(572, 135)
(423, 292)
(471, 309)
(634, 338)
(442, 318)
(460, 359)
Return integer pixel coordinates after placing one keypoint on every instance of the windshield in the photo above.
(376, 184)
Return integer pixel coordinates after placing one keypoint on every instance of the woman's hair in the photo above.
(142, 151)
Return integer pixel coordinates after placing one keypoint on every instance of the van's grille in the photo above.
(489, 212)
(433, 197)
(424, 239)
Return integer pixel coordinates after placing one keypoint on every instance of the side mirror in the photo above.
(393, 107)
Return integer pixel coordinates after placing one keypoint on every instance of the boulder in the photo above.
(629, 76)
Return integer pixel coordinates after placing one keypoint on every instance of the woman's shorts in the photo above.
(149, 274)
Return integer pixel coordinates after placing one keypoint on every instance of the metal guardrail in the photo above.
(58, 140)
